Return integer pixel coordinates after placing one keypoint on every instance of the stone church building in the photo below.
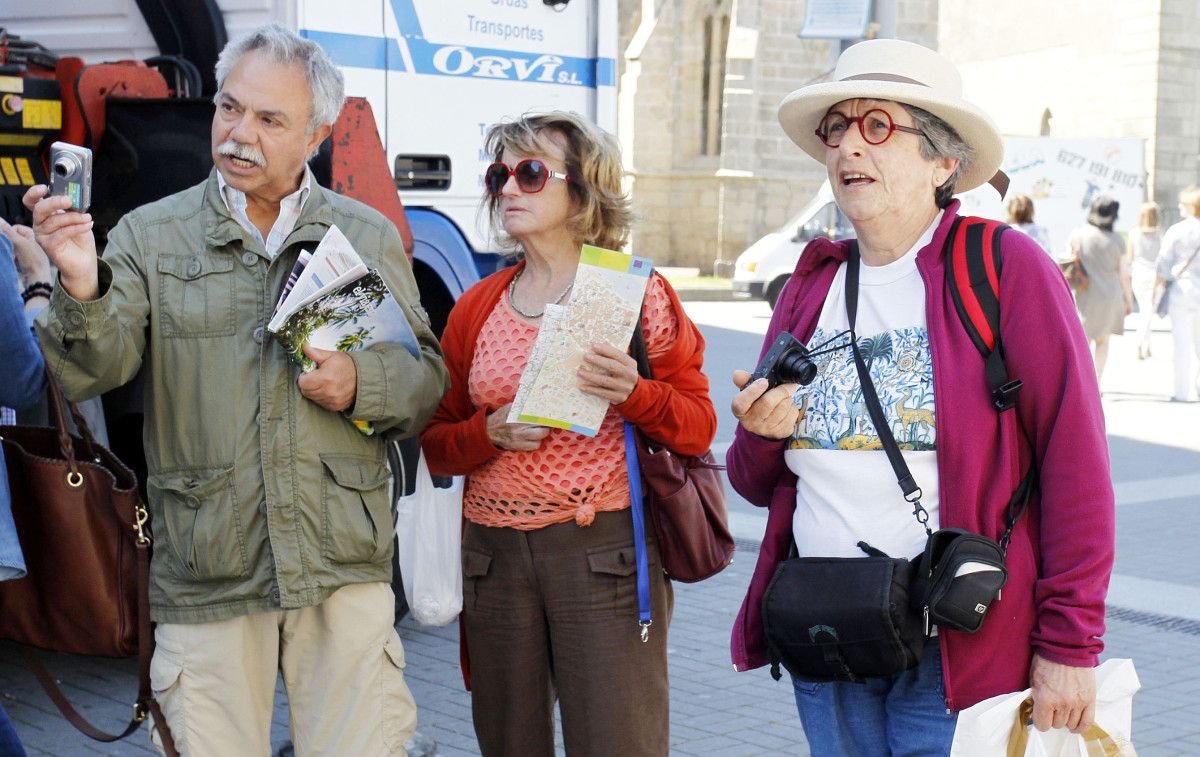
(710, 170)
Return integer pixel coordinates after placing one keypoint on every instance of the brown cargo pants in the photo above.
(552, 613)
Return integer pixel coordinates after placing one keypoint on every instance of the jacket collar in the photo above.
(221, 227)
(819, 251)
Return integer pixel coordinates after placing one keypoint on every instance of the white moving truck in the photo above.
(436, 72)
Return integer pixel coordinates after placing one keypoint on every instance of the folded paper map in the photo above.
(603, 308)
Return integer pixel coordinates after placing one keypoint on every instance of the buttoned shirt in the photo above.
(289, 211)
(1179, 245)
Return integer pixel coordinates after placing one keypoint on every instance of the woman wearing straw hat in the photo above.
(898, 140)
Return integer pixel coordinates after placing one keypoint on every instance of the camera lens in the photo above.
(796, 368)
(66, 164)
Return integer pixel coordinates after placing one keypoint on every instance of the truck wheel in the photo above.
(774, 289)
(435, 297)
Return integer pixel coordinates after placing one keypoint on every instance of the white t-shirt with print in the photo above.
(847, 491)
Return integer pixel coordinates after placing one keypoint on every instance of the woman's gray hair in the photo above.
(941, 141)
(283, 46)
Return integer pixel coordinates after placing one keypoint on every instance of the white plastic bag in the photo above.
(429, 548)
(984, 730)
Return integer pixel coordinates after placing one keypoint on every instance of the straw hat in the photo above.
(891, 69)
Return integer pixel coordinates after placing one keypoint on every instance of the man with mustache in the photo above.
(270, 509)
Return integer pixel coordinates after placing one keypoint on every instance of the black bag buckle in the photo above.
(1005, 396)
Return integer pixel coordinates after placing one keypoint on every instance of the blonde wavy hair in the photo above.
(1189, 200)
(1148, 218)
(601, 214)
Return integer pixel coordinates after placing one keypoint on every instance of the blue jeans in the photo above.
(889, 717)
(10, 745)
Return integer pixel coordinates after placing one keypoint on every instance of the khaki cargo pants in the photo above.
(342, 665)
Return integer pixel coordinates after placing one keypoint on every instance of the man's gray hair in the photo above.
(325, 81)
(941, 141)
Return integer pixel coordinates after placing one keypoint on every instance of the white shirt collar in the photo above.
(289, 211)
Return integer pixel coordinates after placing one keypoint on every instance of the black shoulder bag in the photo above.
(853, 618)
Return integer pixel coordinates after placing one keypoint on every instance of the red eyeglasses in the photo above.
(531, 174)
(875, 126)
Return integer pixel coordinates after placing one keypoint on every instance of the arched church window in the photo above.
(712, 88)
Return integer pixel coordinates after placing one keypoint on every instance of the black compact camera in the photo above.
(71, 174)
(787, 362)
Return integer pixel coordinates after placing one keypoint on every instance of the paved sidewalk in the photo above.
(714, 711)
(1154, 617)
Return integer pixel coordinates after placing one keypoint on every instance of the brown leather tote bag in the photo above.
(84, 535)
(76, 509)
(687, 501)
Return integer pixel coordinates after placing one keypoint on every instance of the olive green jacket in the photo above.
(259, 498)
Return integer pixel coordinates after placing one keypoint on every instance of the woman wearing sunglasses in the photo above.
(549, 579)
(898, 140)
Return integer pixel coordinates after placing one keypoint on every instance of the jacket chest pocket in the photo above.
(196, 296)
(356, 512)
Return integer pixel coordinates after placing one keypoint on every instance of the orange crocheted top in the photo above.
(570, 475)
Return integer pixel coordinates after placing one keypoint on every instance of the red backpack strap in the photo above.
(973, 275)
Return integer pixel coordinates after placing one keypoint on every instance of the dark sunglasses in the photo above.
(875, 126)
(531, 174)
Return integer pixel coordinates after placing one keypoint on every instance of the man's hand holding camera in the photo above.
(67, 238)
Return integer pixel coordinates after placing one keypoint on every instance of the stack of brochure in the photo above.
(333, 302)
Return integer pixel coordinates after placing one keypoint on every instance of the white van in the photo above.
(761, 271)
(1061, 174)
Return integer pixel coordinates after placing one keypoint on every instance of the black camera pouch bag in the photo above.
(958, 577)
(842, 618)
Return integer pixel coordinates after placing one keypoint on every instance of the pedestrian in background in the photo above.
(1020, 217)
(1141, 261)
(898, 141)
(36, 276)
(1107, 299)
(550, 608)
(1178, 263)
(22, 380)
(273, 527)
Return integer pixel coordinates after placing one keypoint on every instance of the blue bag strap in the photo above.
(639, 530)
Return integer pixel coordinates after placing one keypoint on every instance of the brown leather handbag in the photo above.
(83, 531)
(687, 501)
(1076, 274)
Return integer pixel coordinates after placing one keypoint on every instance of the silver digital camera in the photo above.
(71, 174)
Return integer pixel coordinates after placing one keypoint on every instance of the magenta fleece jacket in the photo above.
(1061, 554)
